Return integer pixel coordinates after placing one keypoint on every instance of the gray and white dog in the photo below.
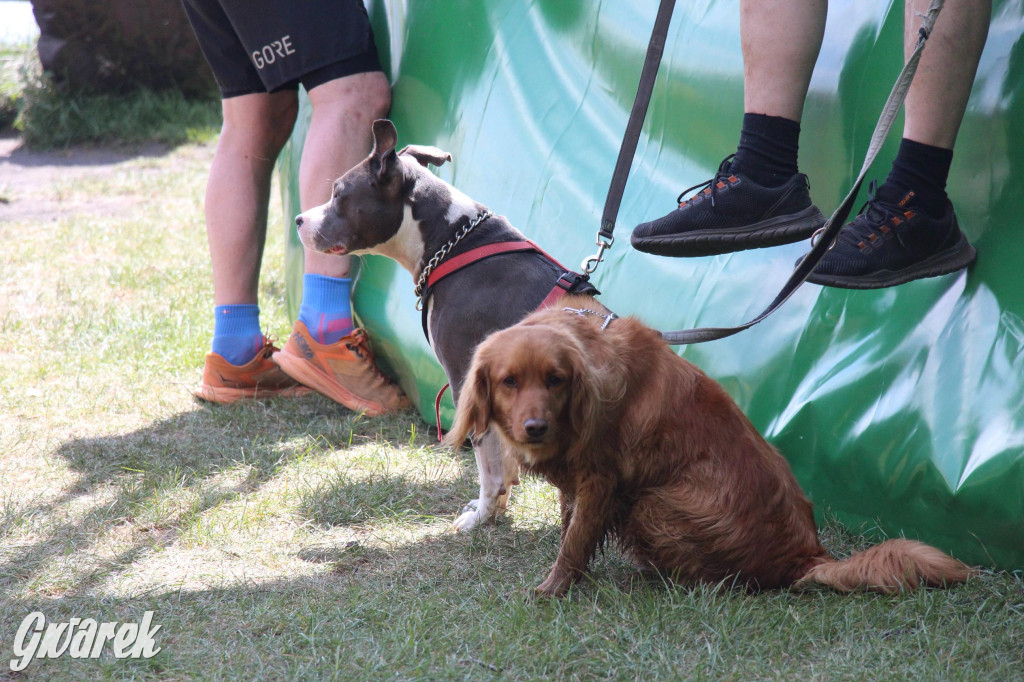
(392, 205)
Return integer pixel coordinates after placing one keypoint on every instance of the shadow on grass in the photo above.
(378, 604)
(457, 606)
(82, 156)
(158, 479)
(453, 605)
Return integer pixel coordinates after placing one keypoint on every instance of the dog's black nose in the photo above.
(298, 221)
(535, 428)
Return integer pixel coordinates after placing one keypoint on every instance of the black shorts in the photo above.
(270, 45)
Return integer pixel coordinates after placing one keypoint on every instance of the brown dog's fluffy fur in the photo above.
(646, 448)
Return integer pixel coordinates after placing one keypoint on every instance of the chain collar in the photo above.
(442, 253)
(583, 312)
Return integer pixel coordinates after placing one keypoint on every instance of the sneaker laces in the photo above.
(360, 347)
(708, 187)
(877, 213)
(269, 346)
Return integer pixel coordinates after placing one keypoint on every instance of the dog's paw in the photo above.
(556, 585)
(467, 521)
(558, 582)
(477, 513)
(472, 516)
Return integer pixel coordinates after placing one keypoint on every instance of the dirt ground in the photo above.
(32, 183)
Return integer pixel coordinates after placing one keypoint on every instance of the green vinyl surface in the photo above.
(900, 410)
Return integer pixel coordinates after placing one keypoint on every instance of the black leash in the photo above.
(649, 74)
(823, 239)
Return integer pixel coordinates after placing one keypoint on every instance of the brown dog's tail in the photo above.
(892, 566)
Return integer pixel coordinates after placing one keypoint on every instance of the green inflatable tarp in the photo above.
(900, 410)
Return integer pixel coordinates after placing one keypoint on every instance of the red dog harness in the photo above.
(567, 282)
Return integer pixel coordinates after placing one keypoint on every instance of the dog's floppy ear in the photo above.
(586, 395)
(425, 155)
(383, 159)
(473, 413)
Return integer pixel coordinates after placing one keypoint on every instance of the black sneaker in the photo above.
(893, 243)
(731, 212)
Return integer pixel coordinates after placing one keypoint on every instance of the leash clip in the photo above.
(590, 263)
(816, 237)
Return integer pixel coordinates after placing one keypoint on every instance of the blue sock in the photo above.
(326, 308)
(236, 332)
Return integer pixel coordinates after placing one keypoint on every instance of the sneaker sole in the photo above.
(772, 232)
(223, 395)
(310, 375)
(953, 259)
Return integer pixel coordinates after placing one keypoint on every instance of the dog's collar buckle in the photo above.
(583, 312)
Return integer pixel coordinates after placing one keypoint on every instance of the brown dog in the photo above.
(646, 448)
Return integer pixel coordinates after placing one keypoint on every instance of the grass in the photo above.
(50, 117)
(292, 539)
(14, 61)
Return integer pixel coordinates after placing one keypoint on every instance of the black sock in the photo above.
(768, 149)
(923, 170)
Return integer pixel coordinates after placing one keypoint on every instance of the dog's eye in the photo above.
(554, 380)
(509, 381)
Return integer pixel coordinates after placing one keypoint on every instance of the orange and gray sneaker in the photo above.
(345, 371)
(259, 378)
